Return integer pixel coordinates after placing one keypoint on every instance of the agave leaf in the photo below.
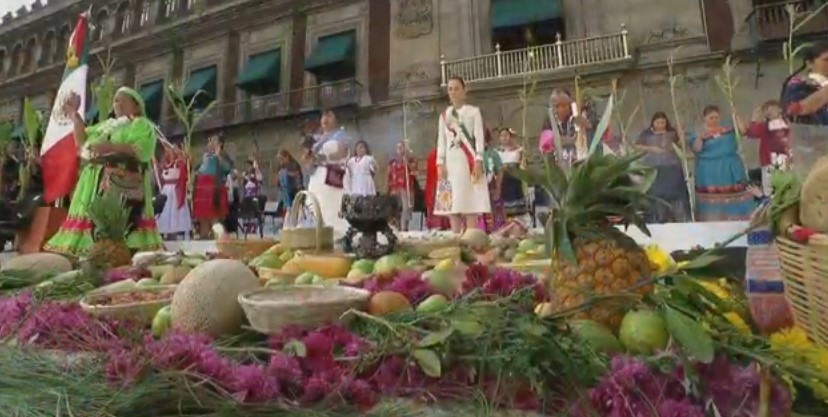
(6, 129)
(598, 135)
(647, 180)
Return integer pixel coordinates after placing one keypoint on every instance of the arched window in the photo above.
(16, 59)
(61, 43)
(2, 63)
(29, 56)
(100, 26)
(47, 54)
(123, 19)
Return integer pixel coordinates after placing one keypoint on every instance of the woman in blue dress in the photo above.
(721, 178)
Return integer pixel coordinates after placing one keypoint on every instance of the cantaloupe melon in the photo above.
(813, 204)
(475, 239)
(206, 301)
(38, 263)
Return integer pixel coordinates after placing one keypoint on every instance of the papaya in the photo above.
(324, 265)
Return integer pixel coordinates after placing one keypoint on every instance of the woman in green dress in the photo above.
(129, 136)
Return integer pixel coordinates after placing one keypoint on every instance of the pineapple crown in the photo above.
(591, 191)
(110, 215)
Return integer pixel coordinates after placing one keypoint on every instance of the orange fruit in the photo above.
(387, 302)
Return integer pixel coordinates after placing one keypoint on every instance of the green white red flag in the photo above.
(59, 152)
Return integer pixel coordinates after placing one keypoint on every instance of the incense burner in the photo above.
(368, 216)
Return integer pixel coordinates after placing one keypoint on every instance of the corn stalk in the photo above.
(33, 130)
(727, 83)
(624, 123)
(189, 114)
(796, 21)
(104, 88)
(6, 129)
(527, 91)
(681, 148)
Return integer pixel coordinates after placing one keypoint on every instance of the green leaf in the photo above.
(428, 361)
(702, 261)
(31, 122)
(602, 127)
(690, 335)
(295, 348)
(435, 338)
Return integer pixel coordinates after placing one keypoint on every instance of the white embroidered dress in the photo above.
(361, 171)
(174, 218)
(460, 195)
(330, 198)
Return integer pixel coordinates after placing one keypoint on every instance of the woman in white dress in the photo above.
(327, 183)
(462, 191)
(175, 218)
(361, 171)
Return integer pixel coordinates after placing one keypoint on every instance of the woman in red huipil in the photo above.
(432, 221)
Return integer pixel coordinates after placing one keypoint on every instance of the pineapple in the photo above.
(591, 258)
(111, 218)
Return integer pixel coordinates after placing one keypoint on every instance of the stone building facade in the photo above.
(270, 65)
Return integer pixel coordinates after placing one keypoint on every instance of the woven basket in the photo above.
(270, 309)
(242, 249)
(292, 236)
(805, 272)
(134, 312)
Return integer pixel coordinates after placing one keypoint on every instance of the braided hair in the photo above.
(809, 55)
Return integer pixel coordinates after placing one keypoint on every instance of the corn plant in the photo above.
(527, 91)
(796, 21)
(6, 129)
(189, 114)
(33, 131)
(624, 123)
(681, 148)
(104, 88)
(727, 83)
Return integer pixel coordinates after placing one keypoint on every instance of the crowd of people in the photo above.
(469, 181)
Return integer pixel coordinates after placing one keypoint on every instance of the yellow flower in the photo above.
(738, 322)
(793, 339)
(719, 288)
(661, 260)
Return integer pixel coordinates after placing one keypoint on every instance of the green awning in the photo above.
(153, 95)
(19, 132)
(332, 50)
(202, 80)
(511, 13)
(262, 73)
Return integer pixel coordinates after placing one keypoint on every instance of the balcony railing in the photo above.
(329, 95)
(772, 21)
(539, 59)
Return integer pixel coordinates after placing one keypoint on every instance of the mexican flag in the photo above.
(59, 152)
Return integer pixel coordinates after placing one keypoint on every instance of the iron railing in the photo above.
(258, 108)
(538, 59)
(772, 21)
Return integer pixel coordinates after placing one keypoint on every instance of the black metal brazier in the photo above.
(368, 216)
